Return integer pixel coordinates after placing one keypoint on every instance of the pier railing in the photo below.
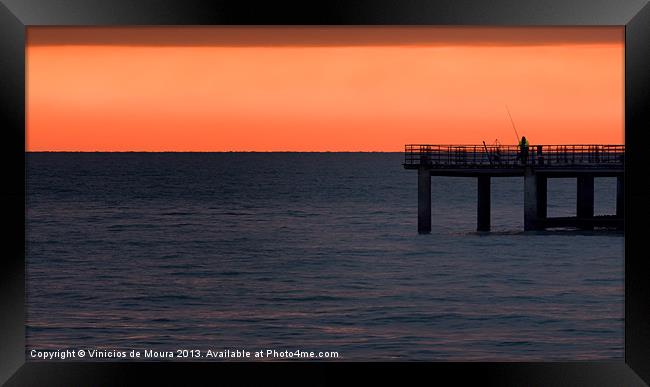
(510, 156)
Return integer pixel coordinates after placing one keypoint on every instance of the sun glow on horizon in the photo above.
(328, 97)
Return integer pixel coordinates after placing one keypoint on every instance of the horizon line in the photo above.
(195, 151)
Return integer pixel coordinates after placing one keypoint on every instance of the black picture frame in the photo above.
(16, 15)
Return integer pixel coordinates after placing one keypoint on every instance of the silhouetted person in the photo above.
(496, 156)
(523, 150)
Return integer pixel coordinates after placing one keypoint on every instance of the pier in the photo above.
(543, 162)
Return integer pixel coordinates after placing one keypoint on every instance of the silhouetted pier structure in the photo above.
(583, 162)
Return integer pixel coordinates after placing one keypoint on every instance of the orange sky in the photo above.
(320, 88)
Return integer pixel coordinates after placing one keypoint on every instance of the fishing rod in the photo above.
(513, 123)
(487, 152)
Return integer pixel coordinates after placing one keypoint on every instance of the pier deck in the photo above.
(584, 162)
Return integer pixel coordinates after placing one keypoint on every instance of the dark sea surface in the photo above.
(313, 252)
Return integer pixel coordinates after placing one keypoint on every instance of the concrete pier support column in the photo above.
(542, 196)
(620, 196)
(585, 198)
(531, 201)
(424, 200)
(483, 205)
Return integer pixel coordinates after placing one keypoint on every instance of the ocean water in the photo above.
(310, 252)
